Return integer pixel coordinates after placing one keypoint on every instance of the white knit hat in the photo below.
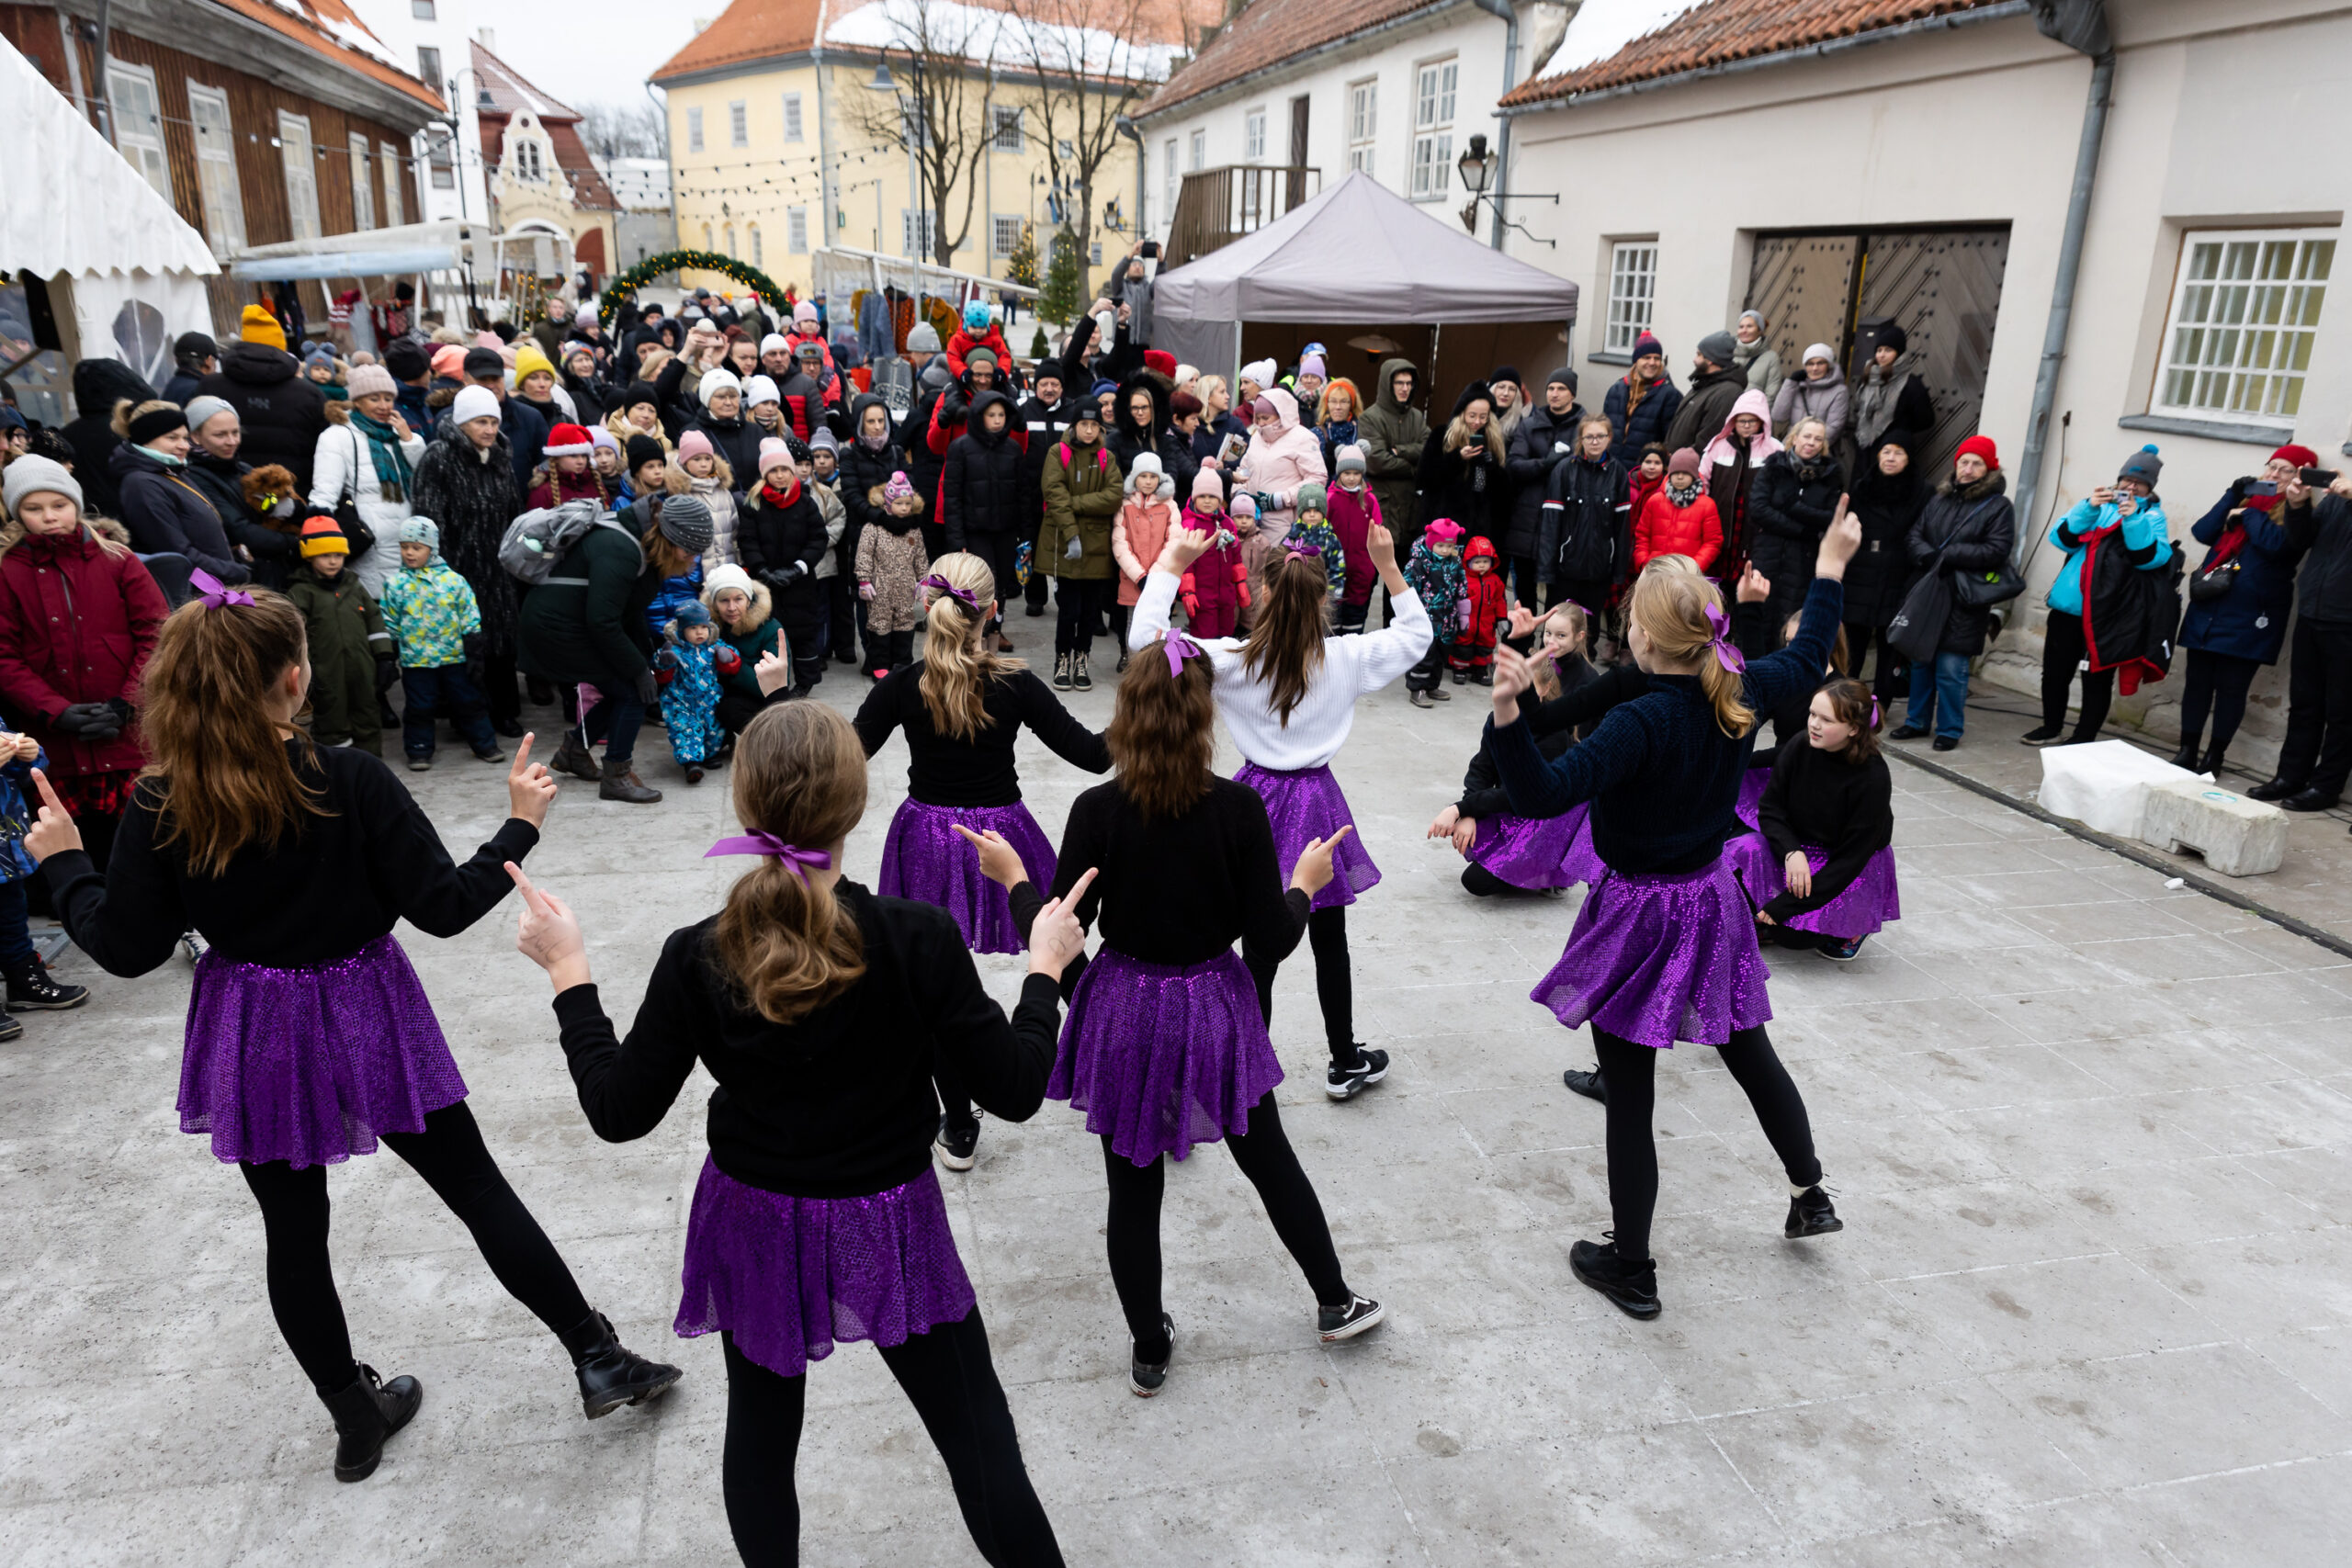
(761, 388)
(472, 402)
(1261, 371)
(715, 381)
(1145, 463)
(773, 343)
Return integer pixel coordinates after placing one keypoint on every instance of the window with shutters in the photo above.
(363, 183)
(694, 131)
(1004, 233)
(388, 158)
(301, 168)
(1007, 135)
(739, 125)
(1253, 137)
(1433, 88)
(139, 123)
(2245, 312)
(429, 66)
(795, 229)
(792, 118)
(216, 168)
(1363, 122)
(1633, 293)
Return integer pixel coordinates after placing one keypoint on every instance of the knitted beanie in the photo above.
(475, 402)
(1206, 486)
(450, 360)
(760, 389)
(694, 444)
(1982, 446)
(422, 531)
(202, 408)
(1145, 463)
(1349, 459)
(897, 488)
(29, 475)
(1312, 497)
(644, 449)
(368, 380)
(773, 453)
(257, 325)
(774, 342)
(715, 382)
(322, 535)
(530, 359)
(1684, 461)
(686, 523)
(2143, 466)
(1717, 348)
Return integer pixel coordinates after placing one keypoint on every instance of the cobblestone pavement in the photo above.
(2093, 1141)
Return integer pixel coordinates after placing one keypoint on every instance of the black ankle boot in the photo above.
(2186, 756)
(2213, 764)
(31, 990)
(611, 1374)
(1812, 1214)
(365, 1413)
(1631, 1286)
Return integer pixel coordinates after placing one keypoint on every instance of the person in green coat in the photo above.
(354, 660)
(1083, 489)
(586, 625)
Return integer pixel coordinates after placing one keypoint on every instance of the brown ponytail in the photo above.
(787, 945)
(1285, 645)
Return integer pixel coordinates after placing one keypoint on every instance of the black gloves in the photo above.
(387, 673)
(90, 721)
(648, 691)
(122, 711)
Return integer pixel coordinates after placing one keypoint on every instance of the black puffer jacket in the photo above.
(166, 514)
(1886, 506)
(1467, 489)
(283, 414)
(1586, 531)
(782, 544)
(1965, 528)
(98, 385)
(981, 489)
(1126, 442)
(275, 550)
(1535, 448)
(862, 471)
(738, 441)
(2324, 529)
(1789, 510)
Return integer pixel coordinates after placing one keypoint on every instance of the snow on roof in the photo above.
(1602, 28)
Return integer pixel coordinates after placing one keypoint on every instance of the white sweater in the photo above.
(1352, 667)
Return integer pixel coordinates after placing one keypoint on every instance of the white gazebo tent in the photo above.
(124, 272)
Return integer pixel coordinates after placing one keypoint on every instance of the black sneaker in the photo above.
(1632, 1286)
(1146, 1378)
(1907, 732)
(30, 989)
(1124, 656)
(957, 1147)
(1346, 1083)
(9, 1028)
(493, 755)
(1947, 742)
(1061, 672)
(1361, 1315)
(420, 764)
(1842, 950)
(1812, 1214)
(1587, 1084)
(2040, 735)
(1078, 675)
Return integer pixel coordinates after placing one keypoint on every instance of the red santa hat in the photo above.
(1159, 360)
(569, 441)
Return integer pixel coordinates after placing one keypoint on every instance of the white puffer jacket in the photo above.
(343, 469)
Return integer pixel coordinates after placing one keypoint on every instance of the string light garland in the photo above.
(624, 286)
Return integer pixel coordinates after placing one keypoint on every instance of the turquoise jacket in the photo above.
(431, 610)
(2144, 527)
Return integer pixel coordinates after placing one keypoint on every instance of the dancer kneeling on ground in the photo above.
(309, 1037)
(1288, 694)
(820, 1010)
(1821, 866)
(1664, 948)
(962, 706)
(1165, 1047)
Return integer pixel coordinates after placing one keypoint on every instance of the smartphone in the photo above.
(2262, 487)
(1151, 250)
(2319, 479)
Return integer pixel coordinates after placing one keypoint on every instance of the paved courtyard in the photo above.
(2092, 1138)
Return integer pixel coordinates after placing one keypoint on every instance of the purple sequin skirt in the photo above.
(791, 1277)
(1657, 959)
(925, 859)
(1868, 902)
(1308, 804)
(1751, 795)
(1161, 1057)
(310, 1065)
(1537, 853)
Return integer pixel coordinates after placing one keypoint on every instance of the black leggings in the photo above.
(2063, 648)
(999, 551)
(1265, 1156)
(1892, 679)
(2218, 682)
(451, 1157)
(952, 1385)
(1079, 603)
(1327, 934)
(1630, 1073)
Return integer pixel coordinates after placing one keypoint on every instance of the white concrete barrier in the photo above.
(2104, 784)
(2237, 837)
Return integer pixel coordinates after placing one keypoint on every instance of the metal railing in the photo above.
(1218, 207)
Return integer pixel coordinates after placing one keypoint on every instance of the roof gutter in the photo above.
(1950, 22)
(1293, 61)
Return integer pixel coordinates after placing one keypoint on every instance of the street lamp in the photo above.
(1477, 167)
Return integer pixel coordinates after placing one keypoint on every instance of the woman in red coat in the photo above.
(79, 616)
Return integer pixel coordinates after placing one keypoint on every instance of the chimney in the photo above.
(489, 36)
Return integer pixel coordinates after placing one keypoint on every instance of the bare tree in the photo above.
(944, 90)
(621, 130)
(1093, 62)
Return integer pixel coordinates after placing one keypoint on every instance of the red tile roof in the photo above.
(510, 94)
(762, 30)
(1716, 32)
(1269, 32)
(332, 28)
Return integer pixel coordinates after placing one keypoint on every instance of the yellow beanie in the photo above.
(257, 325)
(529, 357)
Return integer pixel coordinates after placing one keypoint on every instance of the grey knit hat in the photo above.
(821, 440)
(2143, 466)
(204, 408)
(1719, 348)
(923, 338)
(366, 378)
(686, 523)
(29, 475)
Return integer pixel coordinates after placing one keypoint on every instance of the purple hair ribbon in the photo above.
(963, 596)
(1179, 647)
(796, 860)
(1730, 658)
(216, 593)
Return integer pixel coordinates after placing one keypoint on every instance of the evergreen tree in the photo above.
(1021, 267)
(1059, 300)
(1038, 348)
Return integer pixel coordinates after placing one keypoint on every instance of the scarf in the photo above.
(771, 496)
(1874, 405)
(1635, 391)
(1684, 497)
(393, 473)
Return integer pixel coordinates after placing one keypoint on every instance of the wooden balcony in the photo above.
(1218, 207)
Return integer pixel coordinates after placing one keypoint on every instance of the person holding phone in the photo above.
(2239, 597)
(2317, 756)
(2125, 515)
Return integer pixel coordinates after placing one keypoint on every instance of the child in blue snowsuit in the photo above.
(691, 668)
(30, 986)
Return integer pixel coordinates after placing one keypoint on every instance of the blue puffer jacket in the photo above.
(1650, 419)
(2144, 528)
(2250, 620)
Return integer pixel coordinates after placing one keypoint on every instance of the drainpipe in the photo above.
(1552, 20)
(2081, 25)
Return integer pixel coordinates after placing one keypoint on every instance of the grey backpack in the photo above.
(537, 540)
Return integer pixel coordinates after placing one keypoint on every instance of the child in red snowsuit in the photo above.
(1217, 589)
(1485, 601)
(989, 336)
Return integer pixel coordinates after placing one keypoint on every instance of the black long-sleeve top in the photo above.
(1557, 723)
(325, 890)
(1821, 799)
(943, 770)
(1175, 889)
(839, 1104)
(1663, 777)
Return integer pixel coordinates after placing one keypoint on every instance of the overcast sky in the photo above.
(592, 52)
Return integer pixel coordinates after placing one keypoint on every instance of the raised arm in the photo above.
(1398, 646)
(1052, 723)
(414, 872)
(627, 1087)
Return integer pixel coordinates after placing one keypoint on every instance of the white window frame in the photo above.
(795, 229)
(1008, 129)
(1170, 175)
(707, 243)
(739, 124)
(221, 192)
(793, 131)
(1253, 135)
(1363, 122)
(422, 11)
(1094, 254)
(694, 129)
(300, 162)
(139, 132)
(1005, 230)
(1633, 293)
(728, 232)
(2237, 343)
(1436, 89)
(527, 162)
(395, 204)
(431, 77)
(1199, 153)
(917, 232)
(441, 158)
(759, 246)
(357, 147)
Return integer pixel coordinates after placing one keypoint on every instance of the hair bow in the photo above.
(963, 596)
(1873, 710)
(1730, 658)
(1179, 647)
(796, 860)
(1296, 551)
(216, 594)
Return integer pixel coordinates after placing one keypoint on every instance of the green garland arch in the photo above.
(624, 287)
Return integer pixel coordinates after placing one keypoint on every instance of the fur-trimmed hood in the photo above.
(105, 527)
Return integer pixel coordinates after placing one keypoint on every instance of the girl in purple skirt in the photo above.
(308, 1038)
(821, 1010)
(1288, 694)
(962, 707)
(1166, 1045)
(1664, 948)
(1821, 870)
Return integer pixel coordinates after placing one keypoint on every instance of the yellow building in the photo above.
(785, 138)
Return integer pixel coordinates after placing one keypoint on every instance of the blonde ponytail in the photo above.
(1670, 606)
(786, 943)
(955, 669)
